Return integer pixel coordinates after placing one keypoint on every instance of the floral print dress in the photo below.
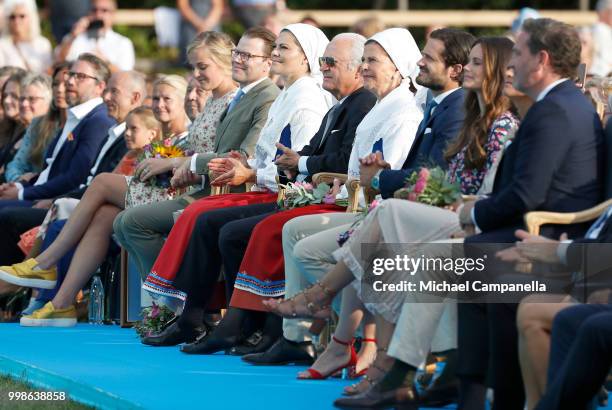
(203, 130)
(502, 130)
(200, 139)
(142, 193)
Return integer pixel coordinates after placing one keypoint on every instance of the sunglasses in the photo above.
(328, 61)
(17, 16)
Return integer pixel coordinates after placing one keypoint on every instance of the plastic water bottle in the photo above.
(96, 301)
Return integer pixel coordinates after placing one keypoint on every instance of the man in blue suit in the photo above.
(555, 163)
(125, 91)
(441, 69)
(73, 151)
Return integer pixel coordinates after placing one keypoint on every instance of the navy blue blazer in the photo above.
(109, 162)
(555, 163)
(75, 159)
(428, 148)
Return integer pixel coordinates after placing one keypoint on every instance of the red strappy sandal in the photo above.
(362, 372)
(350, 365)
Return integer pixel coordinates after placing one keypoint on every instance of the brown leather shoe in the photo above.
(374, 398)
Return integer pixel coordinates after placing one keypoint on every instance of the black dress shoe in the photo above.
(258, 342)
(404, 398)
(284, 351)
(209, 344)
(439, 395)
(173, 335)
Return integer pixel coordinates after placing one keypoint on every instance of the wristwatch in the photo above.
(375, 184)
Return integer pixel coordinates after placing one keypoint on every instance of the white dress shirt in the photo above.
(75, 115)
(116, 48)
(113, 133)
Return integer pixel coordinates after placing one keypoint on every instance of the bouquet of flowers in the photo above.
(303, 193)
(167, 148)
(153, 320)
(431, 187)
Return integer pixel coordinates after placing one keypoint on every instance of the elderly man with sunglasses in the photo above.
(94, 34)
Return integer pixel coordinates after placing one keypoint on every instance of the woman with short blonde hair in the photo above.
(21, 44)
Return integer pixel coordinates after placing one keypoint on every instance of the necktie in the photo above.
(328, 123)
(427, 115)
(235, 100)
(595, 229)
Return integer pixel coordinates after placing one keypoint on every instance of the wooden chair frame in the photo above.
(535, 220)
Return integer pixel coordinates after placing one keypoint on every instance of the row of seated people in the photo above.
(377, 110)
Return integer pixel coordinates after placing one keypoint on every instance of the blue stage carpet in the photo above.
(108, 367)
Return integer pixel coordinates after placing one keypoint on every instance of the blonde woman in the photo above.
(210, 56)
(21, 44)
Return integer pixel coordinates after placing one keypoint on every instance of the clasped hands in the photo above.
(232, 169)
(532, 248)
(184, 177)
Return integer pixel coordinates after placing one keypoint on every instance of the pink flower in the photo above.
(412, 197)
(424, 174)
(329, 199)
(154, 311)
(420, 186)
(373, 204)
(158, 155)
(168, 142)
(307, 186)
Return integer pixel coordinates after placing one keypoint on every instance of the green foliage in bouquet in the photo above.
(153, 320)
(299, 194)
(431, 187)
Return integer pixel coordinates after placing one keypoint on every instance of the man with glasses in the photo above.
(73, 151)
(94, 34)
(142, 229)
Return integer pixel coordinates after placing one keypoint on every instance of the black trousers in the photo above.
(580, 357)
(488, 340)
(219, 239)
(14, 221)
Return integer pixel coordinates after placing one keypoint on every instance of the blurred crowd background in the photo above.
(160, 29)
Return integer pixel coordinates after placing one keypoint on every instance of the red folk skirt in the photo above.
(160, 281)
(262, 271)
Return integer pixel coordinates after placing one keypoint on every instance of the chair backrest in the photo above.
(608, 159)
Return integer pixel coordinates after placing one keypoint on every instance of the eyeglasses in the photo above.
(244, 56)
(32, 100)
(79, 76)
(101, 10)
(17, 16)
